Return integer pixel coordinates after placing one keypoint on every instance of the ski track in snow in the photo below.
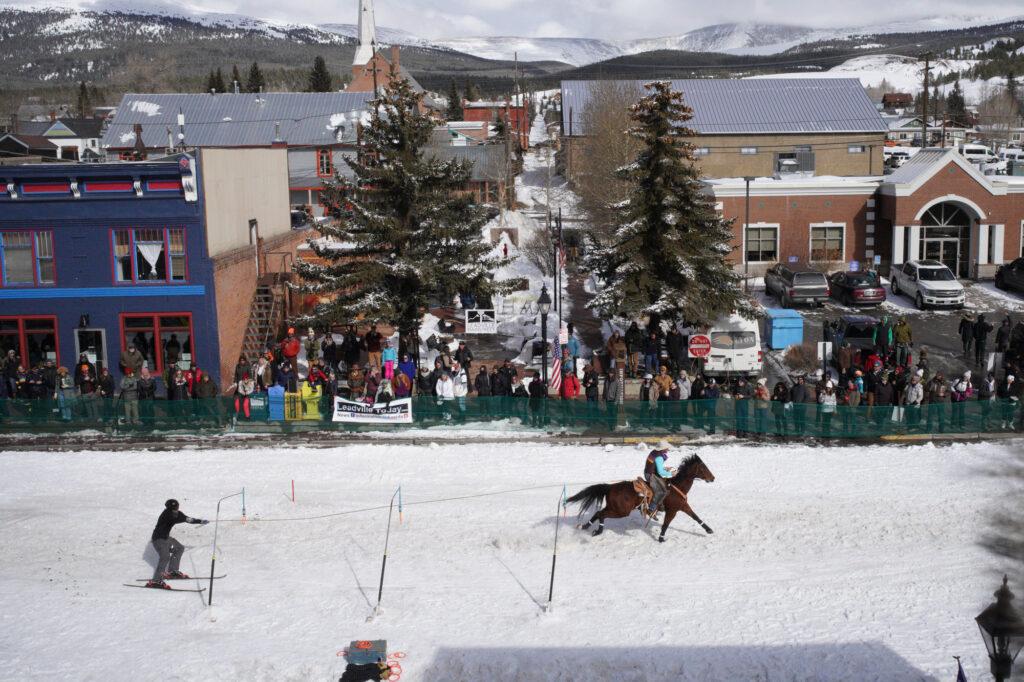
(837, 563)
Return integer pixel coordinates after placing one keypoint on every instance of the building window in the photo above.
(762, 244)
(149, 255)
(827, 243)
(748, 151)
(165, 340)
(855, 149)
(32, 338)
(324, 163)
(802, 148)
(26, 258)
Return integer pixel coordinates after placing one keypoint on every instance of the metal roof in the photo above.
(237, 120)
(921, 162)
(754, 105)
(488, 159)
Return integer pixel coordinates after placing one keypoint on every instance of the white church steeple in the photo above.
(367, 34)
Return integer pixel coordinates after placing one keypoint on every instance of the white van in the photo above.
(976, 153)
(735, 348)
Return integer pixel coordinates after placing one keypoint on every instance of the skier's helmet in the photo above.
(171, 504)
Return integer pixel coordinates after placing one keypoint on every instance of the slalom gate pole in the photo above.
(565, 498)
(554, 553)
(216, 527)
(399, 505)
(384, 562)
(293, 491)
(243, 504)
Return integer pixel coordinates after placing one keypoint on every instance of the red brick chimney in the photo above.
(395, 57)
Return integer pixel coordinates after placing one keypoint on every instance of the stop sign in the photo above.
(700, 346)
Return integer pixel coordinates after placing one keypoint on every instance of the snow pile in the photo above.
(147, 108)
(845, 563)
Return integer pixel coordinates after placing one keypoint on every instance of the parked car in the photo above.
(735, 348)
(857, 330)
(929, 283)
(857, 288)
(1011, 275)
(794, 283)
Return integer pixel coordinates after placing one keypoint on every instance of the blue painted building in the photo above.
(95, 257)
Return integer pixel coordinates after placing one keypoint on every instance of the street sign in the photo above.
(878, 260)
(699, 346)
(793, 259)
(854, 265)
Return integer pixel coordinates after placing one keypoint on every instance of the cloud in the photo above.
(551, 29)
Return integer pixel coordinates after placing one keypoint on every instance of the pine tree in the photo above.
(1011, 84)
(236, 79)
(454, 110)
(215, 81)
(84, 101)
(319, 77)
(255, 82)
(471, 92)
(667, 255)
(955, 105)
(416, 239)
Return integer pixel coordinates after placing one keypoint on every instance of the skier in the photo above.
(167, 547)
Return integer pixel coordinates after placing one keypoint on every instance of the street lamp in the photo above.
(1003, 631)
(746, 227)
(544, 306)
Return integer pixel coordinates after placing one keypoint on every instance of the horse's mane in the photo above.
(685, 465)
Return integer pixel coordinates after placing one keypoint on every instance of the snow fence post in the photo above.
(384, 562)
(554, 553)
(216, 526)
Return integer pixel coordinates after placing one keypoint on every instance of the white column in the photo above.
(914, 243)
(998, 250)
(982, 253)
(897, 244)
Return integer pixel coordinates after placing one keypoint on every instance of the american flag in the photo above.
(556, 365)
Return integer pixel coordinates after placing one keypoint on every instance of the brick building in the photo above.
(937, 206)
(761, 127)
(515, 110)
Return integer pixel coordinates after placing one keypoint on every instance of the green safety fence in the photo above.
(747, 417)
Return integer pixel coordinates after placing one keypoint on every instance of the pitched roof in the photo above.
(488, 159)
(755, 105)
(238, 120)
(31, 141)
(916, 165)
(78, 127)
(921, 167)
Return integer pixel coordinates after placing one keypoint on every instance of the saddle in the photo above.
(644, 495)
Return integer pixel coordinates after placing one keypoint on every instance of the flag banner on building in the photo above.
(555, 380)
(396, 412)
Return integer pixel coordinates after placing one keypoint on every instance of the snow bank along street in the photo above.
(846, 563)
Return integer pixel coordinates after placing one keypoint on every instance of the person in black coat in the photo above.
(168, 549)
(538, 399)
(982, 328)
(500, 385)
(351, 346)
(590, 384)
(330, 351)
(482, 383)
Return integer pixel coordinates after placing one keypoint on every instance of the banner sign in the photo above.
(396, 412)
(481, 321)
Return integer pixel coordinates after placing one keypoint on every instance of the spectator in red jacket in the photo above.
(570, 387)
(290, 350)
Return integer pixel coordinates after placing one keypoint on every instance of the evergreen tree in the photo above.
(956, 106)
(236, 79)
(415, 238)
(255, 82)
(84, 101)
(319, 77)
(454, 110)
(667, 255)
(471, 92)
(215, 81)
(1011, 84)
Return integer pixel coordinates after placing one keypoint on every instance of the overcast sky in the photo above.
(608, 19)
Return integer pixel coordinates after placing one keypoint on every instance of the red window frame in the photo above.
(22, 335)
(155, 328)
(320, 153)
(135, 281)
(34, 239)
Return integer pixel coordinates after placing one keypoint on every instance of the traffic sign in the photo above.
(854, 265)
(793, 259)
(878, 260)
(699, 346)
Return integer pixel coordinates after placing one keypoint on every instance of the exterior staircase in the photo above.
(266, 316)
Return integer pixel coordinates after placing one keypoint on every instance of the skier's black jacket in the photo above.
(167, 520)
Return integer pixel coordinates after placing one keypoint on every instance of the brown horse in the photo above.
(621, 499)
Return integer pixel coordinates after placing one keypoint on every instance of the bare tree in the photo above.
(539, 249)
(998, 112)
(605, 148)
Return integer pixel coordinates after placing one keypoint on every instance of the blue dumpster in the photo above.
(275, 398)
(783, 327)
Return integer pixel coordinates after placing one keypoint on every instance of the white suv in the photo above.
(929, 283)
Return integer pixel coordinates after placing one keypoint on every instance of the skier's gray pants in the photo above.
(659, 487)
(169, 551)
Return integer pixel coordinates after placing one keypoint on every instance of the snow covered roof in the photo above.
(488, 159)
(788, 185)
(238, 120)
(765, 105)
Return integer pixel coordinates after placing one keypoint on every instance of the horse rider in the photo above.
(656, 473)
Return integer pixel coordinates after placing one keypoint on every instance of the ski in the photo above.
(164, 589)
(191, 577)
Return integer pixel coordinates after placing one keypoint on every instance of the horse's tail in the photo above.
(590, 495)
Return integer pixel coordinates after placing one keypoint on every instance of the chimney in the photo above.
(14, 123)
(53, 115)
(395, 57)
(140, 146)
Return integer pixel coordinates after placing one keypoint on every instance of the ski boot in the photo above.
(158, 584)
(175, 575)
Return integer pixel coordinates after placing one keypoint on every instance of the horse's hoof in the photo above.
(597, 532)
(661, 538)
(585, 526)
(708, 529)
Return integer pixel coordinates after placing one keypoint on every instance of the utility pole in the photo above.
(927, 56)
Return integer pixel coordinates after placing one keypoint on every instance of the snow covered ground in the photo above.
(826, 564)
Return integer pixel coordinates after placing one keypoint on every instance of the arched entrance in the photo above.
(946, 236)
